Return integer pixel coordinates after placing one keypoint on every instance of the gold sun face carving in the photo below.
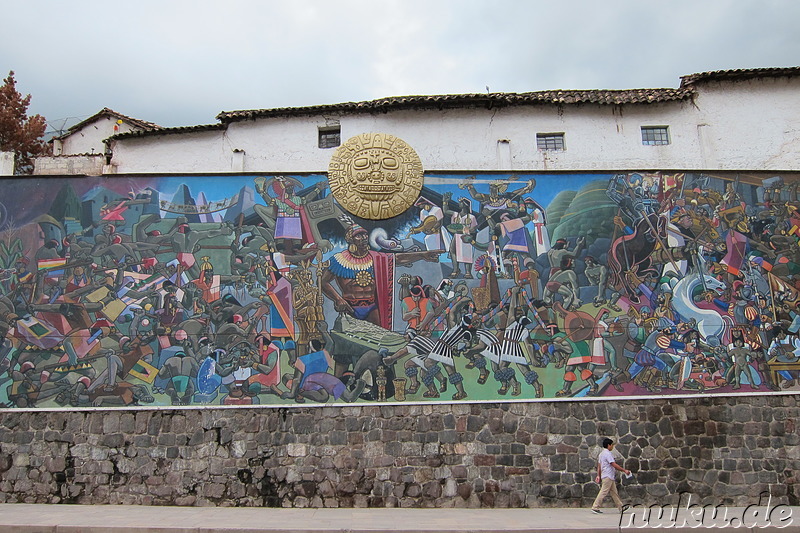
(375, 176)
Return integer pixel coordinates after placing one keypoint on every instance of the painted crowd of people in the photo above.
(688, 284)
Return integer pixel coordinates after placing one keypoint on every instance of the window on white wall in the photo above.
(330, 136)
(550, 141)
(655, 135)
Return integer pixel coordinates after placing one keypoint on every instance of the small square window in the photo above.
(550, 141)
(330, 136)
(655, 135)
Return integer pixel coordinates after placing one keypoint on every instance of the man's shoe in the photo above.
(597, 511)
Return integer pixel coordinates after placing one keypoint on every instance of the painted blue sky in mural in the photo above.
(547, 185)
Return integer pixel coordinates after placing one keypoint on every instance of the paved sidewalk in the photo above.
(25, 518)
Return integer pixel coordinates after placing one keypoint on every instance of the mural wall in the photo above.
(245, 290)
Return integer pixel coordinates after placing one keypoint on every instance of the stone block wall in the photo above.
(721, 450)
(80, 164)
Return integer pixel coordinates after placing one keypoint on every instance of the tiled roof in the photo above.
(143, 124)
(169, 131)
(489, 100)
(85, 154)
(739, 74)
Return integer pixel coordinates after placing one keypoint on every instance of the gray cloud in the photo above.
(180, 62)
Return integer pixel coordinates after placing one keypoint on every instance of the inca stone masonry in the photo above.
(723, 451)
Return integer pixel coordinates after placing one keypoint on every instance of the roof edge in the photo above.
(145, 125)
(167, 131)
(84, 154)
(489, 100)
(738, 75)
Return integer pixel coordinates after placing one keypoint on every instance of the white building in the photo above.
(82, 149)
(722, 120)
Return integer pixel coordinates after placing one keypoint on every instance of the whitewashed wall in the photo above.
(743, 125)
(89, 139)
(752, 124)
(175, 153)
(6, 163)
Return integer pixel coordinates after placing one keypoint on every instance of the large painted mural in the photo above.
(262, 290)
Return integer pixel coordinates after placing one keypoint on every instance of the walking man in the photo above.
(606, 465)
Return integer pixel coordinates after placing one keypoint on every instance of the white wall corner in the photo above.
(6, 163)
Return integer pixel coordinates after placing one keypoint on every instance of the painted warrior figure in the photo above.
(463, 225)
(184, 243)
(364, 277)
(363, 285)
(597, 275)
(498, 197)
(307, 301)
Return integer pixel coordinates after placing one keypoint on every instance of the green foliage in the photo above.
(9, 253)
(557, 208)
(11, 249)
(20, 133)
(590, 214)
(592, 224)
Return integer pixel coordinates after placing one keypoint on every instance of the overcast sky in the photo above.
(179, 63)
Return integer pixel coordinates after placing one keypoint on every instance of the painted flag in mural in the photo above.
(146, 282)
(782, 292)
(184, 279)
(54, 267)
(127, 299)
(124, 292)
(144, 371)
(669, 182)
(737, 249)
(38, 333)
(137, 277)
